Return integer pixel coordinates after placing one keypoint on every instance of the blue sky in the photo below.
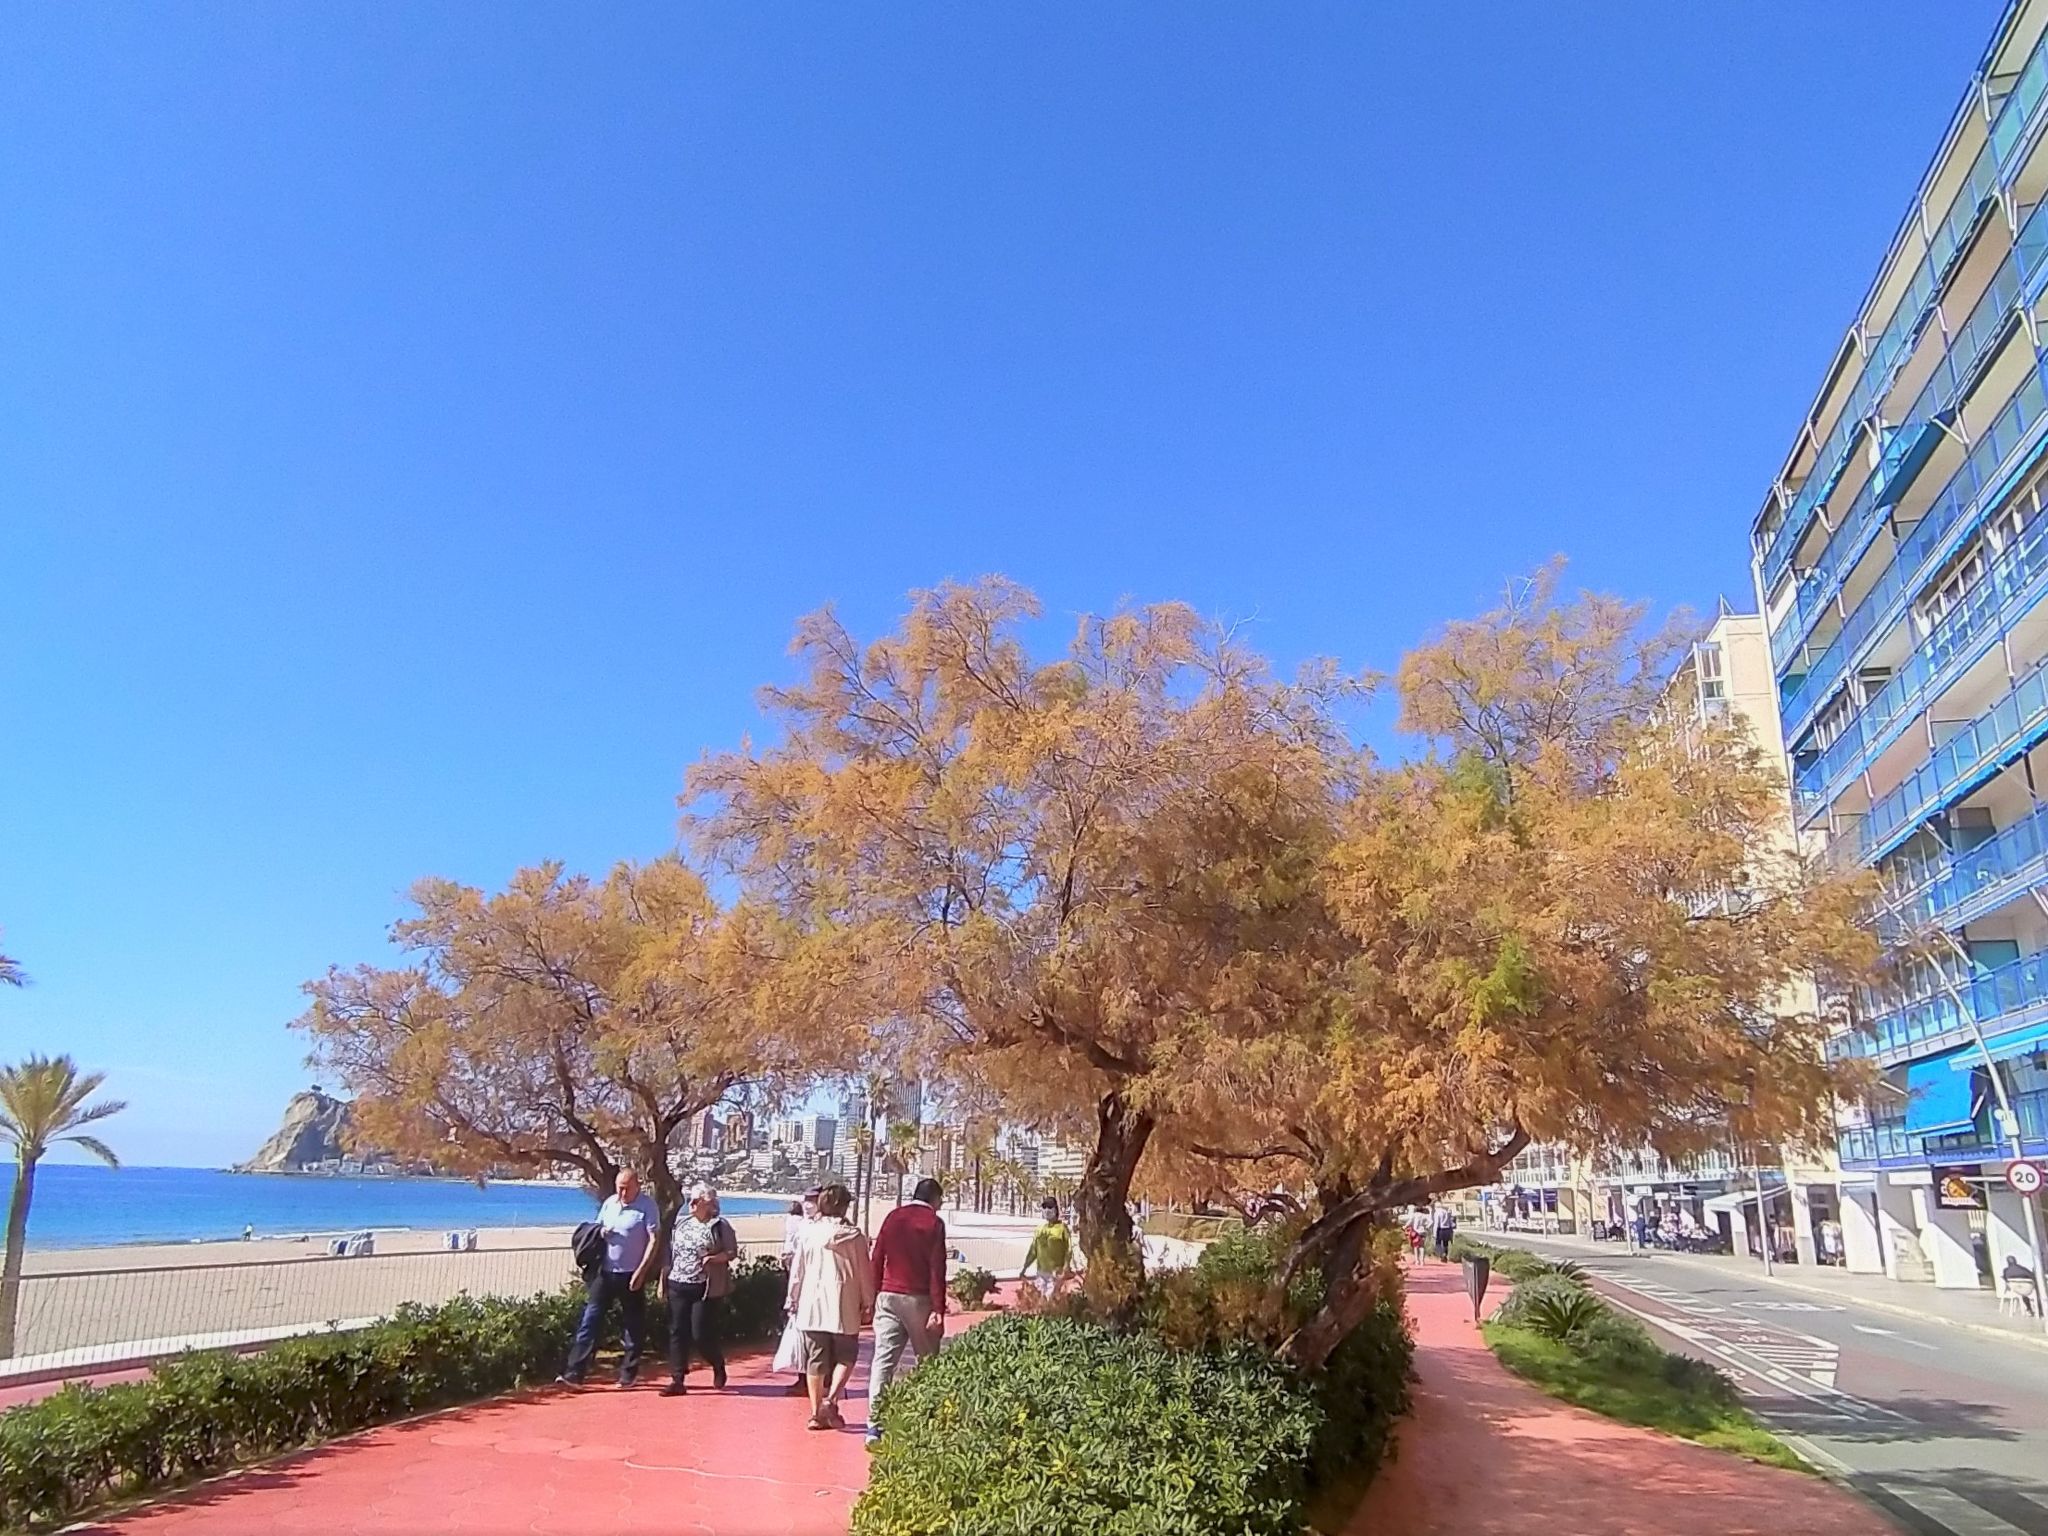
(421, 425)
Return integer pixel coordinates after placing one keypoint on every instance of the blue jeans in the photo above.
(606, 1287)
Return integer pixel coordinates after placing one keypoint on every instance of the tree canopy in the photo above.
(564, 1022)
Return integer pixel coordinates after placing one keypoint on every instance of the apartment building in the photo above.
(1726, 677)
(1901, 563)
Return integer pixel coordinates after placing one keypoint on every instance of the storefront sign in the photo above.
(1959, 1188)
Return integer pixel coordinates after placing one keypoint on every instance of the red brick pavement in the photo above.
(1486, 1454)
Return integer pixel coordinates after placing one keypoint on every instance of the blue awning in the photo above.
(2003, 1048)
(1938, 1100)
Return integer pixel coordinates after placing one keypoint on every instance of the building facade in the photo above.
(1901, 563)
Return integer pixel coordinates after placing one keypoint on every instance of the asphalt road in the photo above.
(1943, 1428)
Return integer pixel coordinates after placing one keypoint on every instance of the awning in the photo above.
(1736, 1199)
(2003, 1048)
(1937, 1099)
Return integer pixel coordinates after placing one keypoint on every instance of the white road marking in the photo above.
(1888, 1333)
(1951, 1510)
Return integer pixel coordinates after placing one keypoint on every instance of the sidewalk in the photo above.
(1974, 1310)
(1485, 1454)
(556, 1463)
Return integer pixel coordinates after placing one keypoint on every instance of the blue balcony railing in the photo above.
(1955, 506)
(1885, 357)
(1997, 999)
(2016, 723)
(1886, 1140)
(2016, 580)
(2016, 112)
(1960, 888)
(1968, 349)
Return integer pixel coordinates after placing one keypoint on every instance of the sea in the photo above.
(79, 1206)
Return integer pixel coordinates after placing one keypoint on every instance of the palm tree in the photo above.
(11, 973)
(42, 1102)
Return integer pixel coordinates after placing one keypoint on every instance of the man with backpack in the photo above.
(628, 1225)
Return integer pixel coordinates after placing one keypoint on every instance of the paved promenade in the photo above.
(598, 1462)
(1485, 1454)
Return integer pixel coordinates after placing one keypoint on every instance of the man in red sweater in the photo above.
(910, 1276)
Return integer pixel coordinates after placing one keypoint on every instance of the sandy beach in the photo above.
(78, 1303)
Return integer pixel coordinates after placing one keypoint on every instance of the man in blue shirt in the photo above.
(631, 1224)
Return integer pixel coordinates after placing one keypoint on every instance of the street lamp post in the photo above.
(2008, 1120)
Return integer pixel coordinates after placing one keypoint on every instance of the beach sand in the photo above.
(77, 1303)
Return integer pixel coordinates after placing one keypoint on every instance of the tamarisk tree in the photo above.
(1055, 867)
(564, 1023)
(1574, 920)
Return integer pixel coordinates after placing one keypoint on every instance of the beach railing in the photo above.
(81, 1320)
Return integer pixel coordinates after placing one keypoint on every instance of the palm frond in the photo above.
(98, 1111)
(97, 1148)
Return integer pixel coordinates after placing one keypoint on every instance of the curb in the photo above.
(2034, 1338)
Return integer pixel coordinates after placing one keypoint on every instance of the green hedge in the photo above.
(1180, 1418)
(200, 1414)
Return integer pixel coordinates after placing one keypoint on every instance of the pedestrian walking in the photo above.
(1051, 1253)
(910, 1286)
(1446, 1229)
(800, 1211)
(701, 1249)
(1414, 1222)
(630, 1224)
(832, 1297)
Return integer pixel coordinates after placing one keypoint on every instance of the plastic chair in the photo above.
(2017, 1297)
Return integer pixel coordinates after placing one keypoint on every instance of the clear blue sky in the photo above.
(420, 424)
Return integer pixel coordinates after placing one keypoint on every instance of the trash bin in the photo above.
(1478, 1270)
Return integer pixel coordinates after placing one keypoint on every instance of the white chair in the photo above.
(2017, 1297)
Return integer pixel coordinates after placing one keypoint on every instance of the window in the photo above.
(1712, 684)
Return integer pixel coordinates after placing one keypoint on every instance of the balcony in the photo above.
(1886, 1141)
(1885, 358)
(1978, 484)
(2009, 129)
(1974, 884)
(2003, 998)
(2010, 588)
(2015, 724)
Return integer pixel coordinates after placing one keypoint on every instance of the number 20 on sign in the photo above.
(2024, 1177)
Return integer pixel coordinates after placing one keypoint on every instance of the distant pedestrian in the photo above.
(630, 1224)
(1446, 1229)
(1051, 1253)
(701, 1250)
(910, 1285)
(2019, 1281)
(832, 1297)
(1415, 1222)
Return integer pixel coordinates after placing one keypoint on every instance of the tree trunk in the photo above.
(1347, 1297)
(17, 1240)
(1102, 1199)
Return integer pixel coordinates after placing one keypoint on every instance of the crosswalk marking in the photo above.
(1952, 1512)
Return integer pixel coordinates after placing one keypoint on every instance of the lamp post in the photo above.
(2008, 1120)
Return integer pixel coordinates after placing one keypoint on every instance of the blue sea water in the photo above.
(88, 1207)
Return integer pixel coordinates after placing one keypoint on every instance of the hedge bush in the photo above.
(203, 1413)
(971, 1288)
(1163, 1408)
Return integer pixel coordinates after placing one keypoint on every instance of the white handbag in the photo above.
(789, 1354)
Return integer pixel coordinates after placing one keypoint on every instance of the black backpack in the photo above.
(586, 1243)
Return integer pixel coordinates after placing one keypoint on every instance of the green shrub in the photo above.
(199, 1414)
(1699, 1378)
(971, 1288)
(1052, 1424)
(1154, 1406)
(1544, 1291)
(1557, 1311)
(1617, 1341)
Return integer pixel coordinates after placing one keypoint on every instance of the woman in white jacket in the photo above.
(832, 1297)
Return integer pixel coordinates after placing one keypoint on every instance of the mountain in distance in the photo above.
(315, 1136)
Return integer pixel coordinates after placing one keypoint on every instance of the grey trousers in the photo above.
(899, 1320)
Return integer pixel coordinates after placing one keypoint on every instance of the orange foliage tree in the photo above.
(1576, 919)
(566, 1023)
(1051, 867)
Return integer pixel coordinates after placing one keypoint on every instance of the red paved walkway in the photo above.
(599, 1462)
(1486, 1454)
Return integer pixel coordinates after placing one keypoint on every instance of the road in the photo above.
(1943, 1428)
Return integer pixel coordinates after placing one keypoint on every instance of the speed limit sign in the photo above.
(2024, 1177)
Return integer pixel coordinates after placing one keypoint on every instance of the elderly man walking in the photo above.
(630, 1224)
(910, 1281)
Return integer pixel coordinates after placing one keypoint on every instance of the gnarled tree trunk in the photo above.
(1102, 1200)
